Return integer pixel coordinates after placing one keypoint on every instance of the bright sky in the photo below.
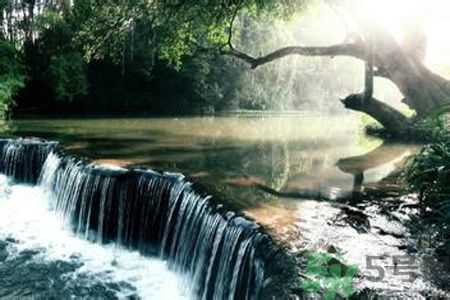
(435, 14)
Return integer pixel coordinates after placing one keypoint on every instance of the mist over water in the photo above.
(302, 82)
(317, 83)
(285, 152)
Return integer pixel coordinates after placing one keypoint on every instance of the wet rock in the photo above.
(28, 254)
(409, 248)
(11, 240)
(24, 276)
(332, 249)
(339, 268)
(3, 251)
(3, 255)
(353, 217)
(3, 245)
(396, 234)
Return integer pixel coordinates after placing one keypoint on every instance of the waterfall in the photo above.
(224, 255)
(22, 159)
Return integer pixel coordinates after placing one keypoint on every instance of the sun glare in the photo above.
(400, 16)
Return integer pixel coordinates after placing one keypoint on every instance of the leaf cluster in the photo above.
(326, 274)
(428, 174)
(12, 77)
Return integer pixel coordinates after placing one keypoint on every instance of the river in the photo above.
(231, 155)
(285, 152)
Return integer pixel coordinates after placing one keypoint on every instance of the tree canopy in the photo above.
(144, 46)
(175, 50)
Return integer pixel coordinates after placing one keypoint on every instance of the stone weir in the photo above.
(222, 254)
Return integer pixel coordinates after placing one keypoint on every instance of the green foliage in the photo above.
(11, 77)
(67, 75)
(49, 19)
(327, 275)
(432, 128)
(176, 29)
(428, 174)
(176, 46)
(213, 82)
(159, 54)
(8, 89)
(55, 59)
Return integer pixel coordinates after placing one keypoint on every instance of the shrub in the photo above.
(326, 274)
(428, 174)
(67, 73)
(11, 77)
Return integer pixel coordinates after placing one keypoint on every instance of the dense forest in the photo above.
(103, 55)
(98, 57)
(188, 57)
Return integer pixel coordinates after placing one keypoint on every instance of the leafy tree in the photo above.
(186, 26)
(67, 76)
(54, 59)
(140, 37)
(12, 77)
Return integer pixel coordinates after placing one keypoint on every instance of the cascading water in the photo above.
(220, 254)
(22, 159)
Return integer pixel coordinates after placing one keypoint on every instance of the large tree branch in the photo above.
(391, 119)
(353, 49)
(345, 49)
(368, 91)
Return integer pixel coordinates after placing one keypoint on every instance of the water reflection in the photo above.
(286, 153)
(347, 183)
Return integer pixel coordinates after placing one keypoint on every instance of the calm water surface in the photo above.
(229, 153)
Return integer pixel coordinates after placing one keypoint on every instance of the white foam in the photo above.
(25, 215)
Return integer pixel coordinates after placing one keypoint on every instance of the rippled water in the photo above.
(29, 227)
(379, 252)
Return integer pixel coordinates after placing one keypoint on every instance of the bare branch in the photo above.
(354, 48)
(368, 91)
(230, 31)
(345, 49)
(380, 72)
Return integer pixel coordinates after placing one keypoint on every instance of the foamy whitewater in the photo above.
(26, 216)
(79, 215)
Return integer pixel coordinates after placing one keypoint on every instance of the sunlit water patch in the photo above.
(383, 250)
(29, 226)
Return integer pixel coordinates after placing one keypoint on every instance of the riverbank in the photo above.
(374, 231)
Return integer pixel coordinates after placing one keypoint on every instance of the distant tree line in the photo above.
(103, 56)
(107, 56)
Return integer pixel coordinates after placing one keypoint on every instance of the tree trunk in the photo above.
(391, 119)
(423, 91)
